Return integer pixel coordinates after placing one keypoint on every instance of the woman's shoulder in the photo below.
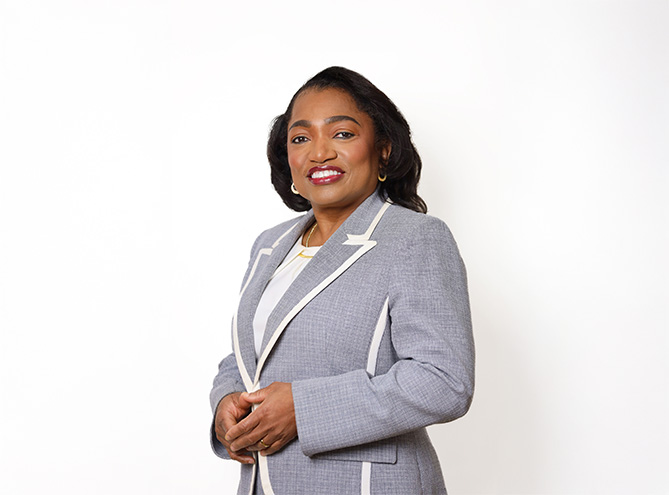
(406, 223)
(418, 239)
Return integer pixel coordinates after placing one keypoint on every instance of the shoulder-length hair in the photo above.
(402, 167)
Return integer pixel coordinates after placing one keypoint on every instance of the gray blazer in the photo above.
(375, 337)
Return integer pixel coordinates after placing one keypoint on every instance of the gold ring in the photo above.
(264, 444)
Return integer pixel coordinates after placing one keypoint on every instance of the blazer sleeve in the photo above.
(432, 380)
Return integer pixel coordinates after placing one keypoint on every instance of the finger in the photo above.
(227, 422)
(250, 441)
(228, 413)
(221, 428)
(243, 427)
(259, 446)
(219, 431)
(274, 447)
(273, 443)
(241, 456)
(220, 436)
(244, 459)
(255, 397)
(225, 443)
(247, 400)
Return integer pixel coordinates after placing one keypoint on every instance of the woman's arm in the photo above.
(430, 329)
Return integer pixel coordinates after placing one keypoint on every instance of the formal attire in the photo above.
(374, 334)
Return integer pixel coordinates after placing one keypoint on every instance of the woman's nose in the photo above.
(322, 150)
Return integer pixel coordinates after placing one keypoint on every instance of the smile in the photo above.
(325, 175)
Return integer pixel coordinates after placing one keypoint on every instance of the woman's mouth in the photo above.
(325, 175)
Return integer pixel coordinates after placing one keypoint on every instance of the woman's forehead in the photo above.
(320, 104)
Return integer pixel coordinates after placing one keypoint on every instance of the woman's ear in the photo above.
(384, 153)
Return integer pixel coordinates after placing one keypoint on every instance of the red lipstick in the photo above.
(325, 174)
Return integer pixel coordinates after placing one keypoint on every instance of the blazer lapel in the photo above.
(267, 260)
(340, 251)
(329, 257)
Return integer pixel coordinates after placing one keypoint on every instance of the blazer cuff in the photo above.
(312, 399)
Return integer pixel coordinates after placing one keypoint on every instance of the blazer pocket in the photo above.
(383, 451)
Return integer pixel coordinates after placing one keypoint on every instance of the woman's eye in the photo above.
(298, 139)
(344, 134)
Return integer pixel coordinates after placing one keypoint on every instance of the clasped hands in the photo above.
(267, 429)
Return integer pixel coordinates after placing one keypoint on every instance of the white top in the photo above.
(294, 262)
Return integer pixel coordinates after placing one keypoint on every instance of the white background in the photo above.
(133, 181)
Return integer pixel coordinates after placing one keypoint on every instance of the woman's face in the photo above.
(332, 153)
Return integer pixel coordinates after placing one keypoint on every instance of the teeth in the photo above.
(324, 173)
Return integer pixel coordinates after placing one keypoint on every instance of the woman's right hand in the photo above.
(229, 412)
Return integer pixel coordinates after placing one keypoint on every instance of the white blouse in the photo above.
(294, 262)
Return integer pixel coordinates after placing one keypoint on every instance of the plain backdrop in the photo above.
(133, 182)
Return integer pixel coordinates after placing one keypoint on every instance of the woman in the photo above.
(353, 330)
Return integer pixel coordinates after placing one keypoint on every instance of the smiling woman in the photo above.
(353, 330)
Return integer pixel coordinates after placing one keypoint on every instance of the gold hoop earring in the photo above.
(382, 179)
(293, 188)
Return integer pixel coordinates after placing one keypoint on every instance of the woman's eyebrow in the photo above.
(329, 120)
(339, 118)
(300, 123)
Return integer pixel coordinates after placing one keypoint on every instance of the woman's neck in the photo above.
(328, 220)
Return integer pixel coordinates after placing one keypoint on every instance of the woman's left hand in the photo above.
(272, 421)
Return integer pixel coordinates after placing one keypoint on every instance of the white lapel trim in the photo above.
(376, 339)
(366, 483)
(264, 475)
(246, 378)
(359, 239)
(366, 478)
(253, 475)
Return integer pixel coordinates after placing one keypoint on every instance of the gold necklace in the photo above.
(301, 253)
(311, 232)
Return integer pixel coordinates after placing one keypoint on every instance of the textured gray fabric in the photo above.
(424, 369)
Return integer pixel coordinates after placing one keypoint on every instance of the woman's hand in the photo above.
(228, 414)
(272, 421)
